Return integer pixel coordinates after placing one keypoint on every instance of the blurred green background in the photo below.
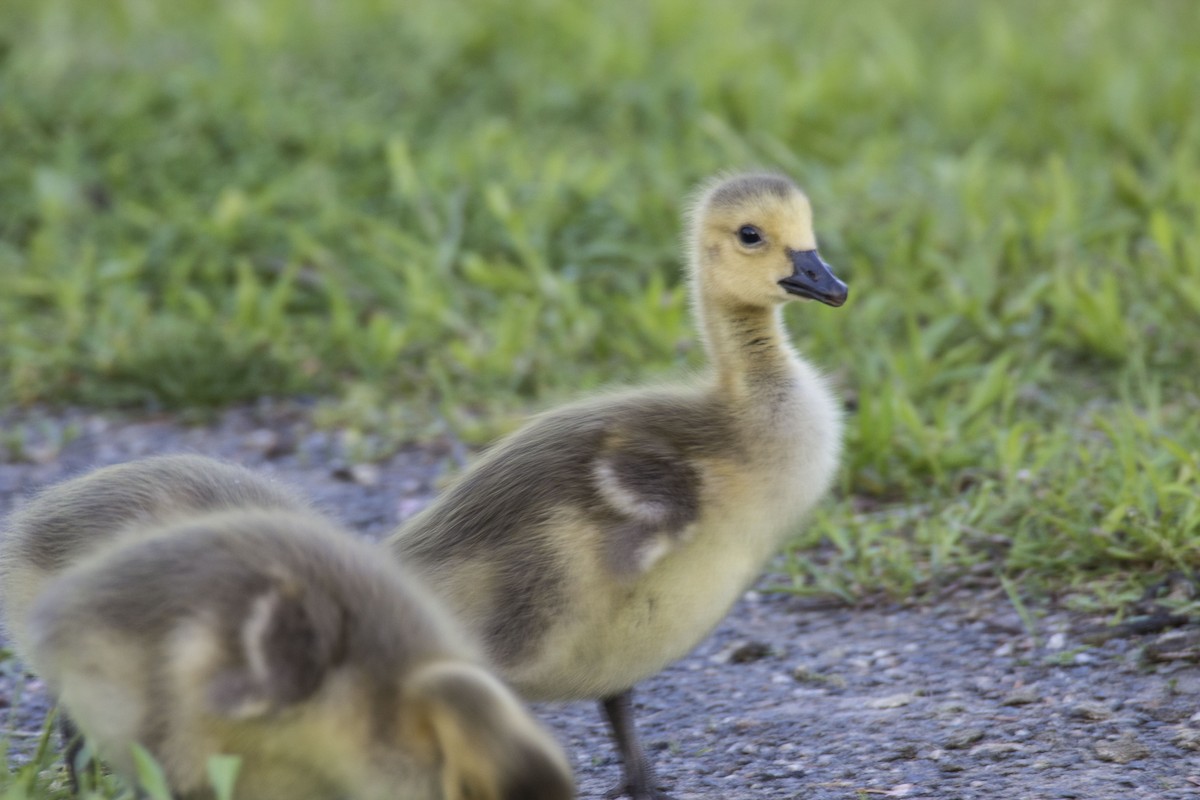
(464, 210)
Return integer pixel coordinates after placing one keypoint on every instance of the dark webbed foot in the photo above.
(639, 782)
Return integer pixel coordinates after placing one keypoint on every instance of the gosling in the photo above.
(605, 539)
(273, 635)
(73, 519)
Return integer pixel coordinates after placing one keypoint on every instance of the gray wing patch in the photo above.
(650, 495)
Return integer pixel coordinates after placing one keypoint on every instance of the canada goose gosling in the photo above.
(81, 516)
(605, 539)
(273, 635)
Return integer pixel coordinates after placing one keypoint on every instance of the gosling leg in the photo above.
(639, 782)
(72, 742)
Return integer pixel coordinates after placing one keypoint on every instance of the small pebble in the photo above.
(1124, 749)
(960, 740)
(367, 475)
(1188, 739)
(750, 652)
(1020, 697)
(892, 701)
(1092, 712)
(995, 751)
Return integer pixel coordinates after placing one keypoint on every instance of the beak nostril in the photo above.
(812, 276)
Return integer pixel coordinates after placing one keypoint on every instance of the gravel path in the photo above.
(788, 698)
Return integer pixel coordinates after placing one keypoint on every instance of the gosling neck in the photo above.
(747, 345)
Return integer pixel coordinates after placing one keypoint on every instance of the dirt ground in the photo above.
(789, 698)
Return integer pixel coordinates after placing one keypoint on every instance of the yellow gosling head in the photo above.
(753, 244)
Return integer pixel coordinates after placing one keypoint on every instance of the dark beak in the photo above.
(813, 278)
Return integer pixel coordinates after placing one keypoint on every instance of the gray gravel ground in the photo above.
(788, 698)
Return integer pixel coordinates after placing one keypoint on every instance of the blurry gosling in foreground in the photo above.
(266, 633)
(605, 539)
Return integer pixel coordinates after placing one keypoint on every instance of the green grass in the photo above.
(443, 216)
(437, 215)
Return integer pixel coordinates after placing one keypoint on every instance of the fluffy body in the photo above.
(582, 592)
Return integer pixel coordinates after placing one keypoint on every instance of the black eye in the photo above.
(749, 235)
